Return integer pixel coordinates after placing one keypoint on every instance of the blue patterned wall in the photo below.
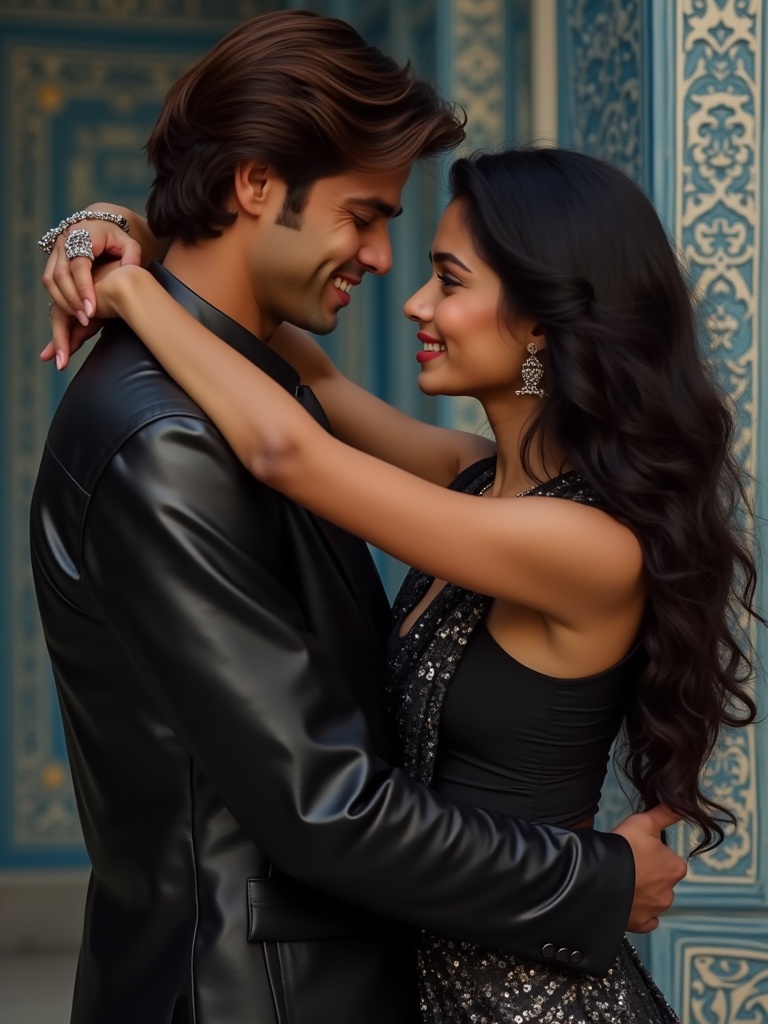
(675, 93)
(671, 90)
(484, 64)
(81, 85)
(82, 81)
(599, 77)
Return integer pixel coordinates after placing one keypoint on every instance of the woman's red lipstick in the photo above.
(424, 356)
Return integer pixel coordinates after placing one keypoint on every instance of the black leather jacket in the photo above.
(218, 653)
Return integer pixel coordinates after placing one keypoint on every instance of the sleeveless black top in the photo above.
(482, 728)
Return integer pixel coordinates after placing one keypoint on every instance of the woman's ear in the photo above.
(534, 332)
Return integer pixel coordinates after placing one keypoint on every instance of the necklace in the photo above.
(521, 494)
(550, 488)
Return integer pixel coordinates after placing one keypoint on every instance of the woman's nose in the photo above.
(418, 307)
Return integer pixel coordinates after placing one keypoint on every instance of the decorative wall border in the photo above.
(714, 971)
(690, 73)
(719, 89)
(718, 194)
(476, 51)
(182, 16)
(472, 46)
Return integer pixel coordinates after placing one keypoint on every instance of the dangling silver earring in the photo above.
(532, 371)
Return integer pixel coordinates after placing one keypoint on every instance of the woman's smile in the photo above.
(432, 347)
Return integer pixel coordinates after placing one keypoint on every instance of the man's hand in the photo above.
(657, 868)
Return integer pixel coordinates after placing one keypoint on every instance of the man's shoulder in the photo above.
(119, 390)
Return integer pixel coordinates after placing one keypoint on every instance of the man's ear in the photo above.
(255, 186)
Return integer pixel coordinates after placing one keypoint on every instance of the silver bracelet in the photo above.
(50, 236)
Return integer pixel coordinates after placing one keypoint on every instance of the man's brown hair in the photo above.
(304, 93)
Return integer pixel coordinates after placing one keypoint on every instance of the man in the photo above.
(218, 650)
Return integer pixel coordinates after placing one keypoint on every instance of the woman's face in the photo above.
(466, 347)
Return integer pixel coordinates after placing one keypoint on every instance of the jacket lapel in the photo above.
(350, 554)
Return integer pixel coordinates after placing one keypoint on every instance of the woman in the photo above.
(555, 300)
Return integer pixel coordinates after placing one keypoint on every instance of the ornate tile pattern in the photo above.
(599, 85)
(75, 119)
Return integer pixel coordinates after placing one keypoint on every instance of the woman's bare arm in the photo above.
(568, 561)
(371, 425)
(357, 417)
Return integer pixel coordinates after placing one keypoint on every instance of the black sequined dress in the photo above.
(461, 983)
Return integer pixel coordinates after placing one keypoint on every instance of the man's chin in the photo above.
(326, 328)
(317, 326)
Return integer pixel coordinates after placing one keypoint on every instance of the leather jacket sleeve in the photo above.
(219, 640)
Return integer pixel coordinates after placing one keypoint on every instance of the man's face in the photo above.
(306, 275)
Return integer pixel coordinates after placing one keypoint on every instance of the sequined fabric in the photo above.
(461, 983)
(425, 660)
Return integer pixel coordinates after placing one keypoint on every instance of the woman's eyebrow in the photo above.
(448, 257)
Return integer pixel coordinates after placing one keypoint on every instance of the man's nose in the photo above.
(376, 255)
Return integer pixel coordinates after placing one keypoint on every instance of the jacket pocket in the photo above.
(283, 910)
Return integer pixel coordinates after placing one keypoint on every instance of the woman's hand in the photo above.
(114, 284)
(70, 283)
(67, 336)
(68, 333)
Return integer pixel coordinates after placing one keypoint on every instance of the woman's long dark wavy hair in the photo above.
(634, 408)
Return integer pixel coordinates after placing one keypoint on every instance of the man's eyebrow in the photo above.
(377, 204)
(448, 257)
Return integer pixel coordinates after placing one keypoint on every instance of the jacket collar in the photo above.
(350, 554)
(227, 329)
